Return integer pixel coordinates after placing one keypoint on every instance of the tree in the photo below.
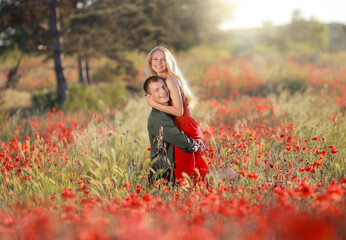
(106, 28)
(60, 78)
(310, 34)
(109, 28)
(337, 37)
(34, 25)
(20, 27)
(186, 23)
(298, 35)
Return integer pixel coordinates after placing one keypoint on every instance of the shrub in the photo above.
(114, 94)
(295, 85)
(44, 99)
(81, 97)
(106, 74)
(87, 97)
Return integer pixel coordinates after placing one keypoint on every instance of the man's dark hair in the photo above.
(152, 79)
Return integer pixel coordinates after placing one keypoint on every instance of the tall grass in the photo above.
(80, 168)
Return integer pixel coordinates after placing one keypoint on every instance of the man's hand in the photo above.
(190, 150)
(198, 146)
(201, 144)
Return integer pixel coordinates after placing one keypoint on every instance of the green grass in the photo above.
(115, 158)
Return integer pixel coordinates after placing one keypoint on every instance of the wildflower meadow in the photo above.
(84, 174)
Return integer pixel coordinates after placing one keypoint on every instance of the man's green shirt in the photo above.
(172, 136)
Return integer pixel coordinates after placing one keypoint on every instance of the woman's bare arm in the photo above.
(176, 108)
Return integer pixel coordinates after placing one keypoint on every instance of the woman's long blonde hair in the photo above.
(173, 70)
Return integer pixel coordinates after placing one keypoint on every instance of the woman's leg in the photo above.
(228, 173)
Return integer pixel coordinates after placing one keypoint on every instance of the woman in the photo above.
(161, 62)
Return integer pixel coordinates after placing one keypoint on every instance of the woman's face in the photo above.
(158, 62)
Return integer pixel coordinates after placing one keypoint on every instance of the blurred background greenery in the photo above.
(74, 54)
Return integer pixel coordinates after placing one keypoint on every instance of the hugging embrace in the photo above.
(175, 136)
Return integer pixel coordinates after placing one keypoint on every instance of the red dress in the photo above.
(188, 162)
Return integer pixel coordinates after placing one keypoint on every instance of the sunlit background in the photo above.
(253, 13)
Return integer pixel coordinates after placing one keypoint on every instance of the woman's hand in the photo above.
(201, 144)
(150, 100)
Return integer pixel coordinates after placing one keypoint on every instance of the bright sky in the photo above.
(252, 13)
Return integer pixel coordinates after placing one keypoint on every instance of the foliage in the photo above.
(85, 97)
(189, 23)
(311, 33)
(195, 62)
(44, 99)
(81, 97)
(21, 27)
(113, 94)
(299, 35)
(304, 36)
(106, 74)
(337, 37)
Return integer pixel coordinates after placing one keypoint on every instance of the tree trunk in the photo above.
(59, 71)
(13, 76)
(80, 70)
(87, 70)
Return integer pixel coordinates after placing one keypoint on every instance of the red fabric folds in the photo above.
(189, 162)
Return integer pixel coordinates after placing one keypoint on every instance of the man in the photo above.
(163, 134)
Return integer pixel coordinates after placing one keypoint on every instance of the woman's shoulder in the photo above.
(173, 83)
(172, 79)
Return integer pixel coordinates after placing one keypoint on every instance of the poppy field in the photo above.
(83, 175)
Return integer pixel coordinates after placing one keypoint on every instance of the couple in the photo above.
(175, 136)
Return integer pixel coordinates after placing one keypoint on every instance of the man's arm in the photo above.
(191, 150)
(173, 135)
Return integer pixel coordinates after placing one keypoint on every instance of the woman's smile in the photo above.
(158, 62)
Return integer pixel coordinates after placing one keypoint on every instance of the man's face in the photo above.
(159, 91)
